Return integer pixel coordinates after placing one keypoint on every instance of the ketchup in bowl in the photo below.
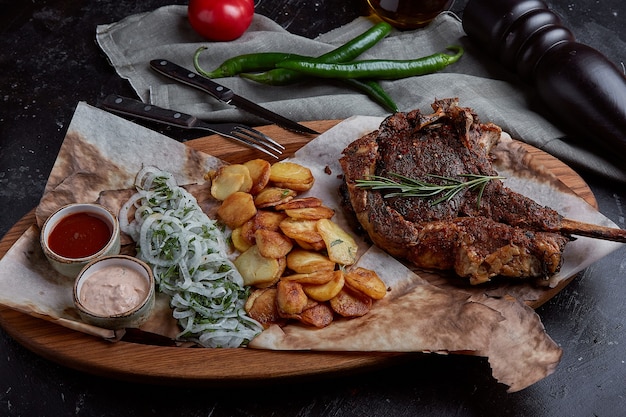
(79, 235)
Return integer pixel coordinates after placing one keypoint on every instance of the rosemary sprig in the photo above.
(409, 187)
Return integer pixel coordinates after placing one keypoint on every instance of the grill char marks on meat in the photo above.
(507, 234)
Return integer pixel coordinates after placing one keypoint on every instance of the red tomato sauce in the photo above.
(79, 235)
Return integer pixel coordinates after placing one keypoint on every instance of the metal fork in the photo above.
(236, 131)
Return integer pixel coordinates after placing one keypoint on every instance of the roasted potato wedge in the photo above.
(315, 278)
(309, 304)
(240, 242)
(365, 281)
(271, 196)
(259, 173)
(320, 315)
(325, 292)
(272, 244)
(252, 297)
(290, 297)
(348, 303)
(258, 270)
(282, 265)
(291, 175)
(236, 209)
(268, 220)
(263, 219)
(261, 306)
(341, 247)
(247, 231)
(301, 230)
(229, 179)
(298, 203)
(306, 261)
(311, 213)
(296, 186)
(313, 246)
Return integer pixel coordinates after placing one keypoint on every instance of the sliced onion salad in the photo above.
(187, 253)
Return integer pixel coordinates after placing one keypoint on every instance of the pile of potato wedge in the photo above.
(294, 256)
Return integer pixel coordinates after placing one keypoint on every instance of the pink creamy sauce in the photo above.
(113, 290)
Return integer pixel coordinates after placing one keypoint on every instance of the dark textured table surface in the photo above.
(49, 61)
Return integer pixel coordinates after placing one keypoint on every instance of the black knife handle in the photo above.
(145, 111)
(191, 78)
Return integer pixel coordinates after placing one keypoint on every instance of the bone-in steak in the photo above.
(496, 233)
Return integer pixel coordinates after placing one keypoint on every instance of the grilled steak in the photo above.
(477, 235)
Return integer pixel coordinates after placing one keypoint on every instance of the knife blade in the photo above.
(238, 132)
(224, 94)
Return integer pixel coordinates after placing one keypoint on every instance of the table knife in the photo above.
(224, 94)
(238, 132)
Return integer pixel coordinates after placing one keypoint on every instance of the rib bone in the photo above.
(574, 227)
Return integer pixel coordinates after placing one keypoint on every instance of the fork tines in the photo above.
(257, 140)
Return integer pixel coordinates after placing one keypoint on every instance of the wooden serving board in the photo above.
(207, 367)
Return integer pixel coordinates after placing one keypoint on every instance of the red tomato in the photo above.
(220, 20)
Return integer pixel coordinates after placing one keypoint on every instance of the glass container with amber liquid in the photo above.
(408, 14)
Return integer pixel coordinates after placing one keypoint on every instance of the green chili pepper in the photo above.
(261, 61)
(347, 52)
(376, 68)
(374, 91)
(245, 64)
(277, 76)
(358, 45)
(264, 61)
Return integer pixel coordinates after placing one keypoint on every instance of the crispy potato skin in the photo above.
(367, 282)
(259, 170)
(229, 179)
(236, 209)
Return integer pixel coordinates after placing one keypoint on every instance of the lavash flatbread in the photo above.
(103, 152)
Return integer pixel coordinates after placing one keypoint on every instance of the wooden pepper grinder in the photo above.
(578, 84)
